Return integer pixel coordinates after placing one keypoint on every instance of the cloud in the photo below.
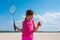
(10, 22)
(48, 17)
(52, 17)
(18, 22)
(49, 21)
(39, 18)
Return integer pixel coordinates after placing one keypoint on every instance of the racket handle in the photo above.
(14, 27)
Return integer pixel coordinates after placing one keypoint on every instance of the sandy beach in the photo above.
(37, 36)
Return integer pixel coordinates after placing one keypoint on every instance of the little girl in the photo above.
(28, 26)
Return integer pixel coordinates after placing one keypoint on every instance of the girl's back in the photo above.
(28, 28)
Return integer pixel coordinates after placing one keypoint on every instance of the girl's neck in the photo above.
(28, 20)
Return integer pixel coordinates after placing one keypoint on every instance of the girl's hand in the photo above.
(39, 24)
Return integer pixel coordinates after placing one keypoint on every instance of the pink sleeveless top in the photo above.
(28, 28)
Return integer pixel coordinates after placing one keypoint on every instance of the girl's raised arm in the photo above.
(36, 26)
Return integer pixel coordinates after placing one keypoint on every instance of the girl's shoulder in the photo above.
(33, 21)
(24, 21)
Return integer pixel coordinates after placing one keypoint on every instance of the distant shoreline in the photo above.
(36, 32)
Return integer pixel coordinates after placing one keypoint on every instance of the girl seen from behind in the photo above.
(28, 26)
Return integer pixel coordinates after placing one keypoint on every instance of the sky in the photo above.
(45, 11)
